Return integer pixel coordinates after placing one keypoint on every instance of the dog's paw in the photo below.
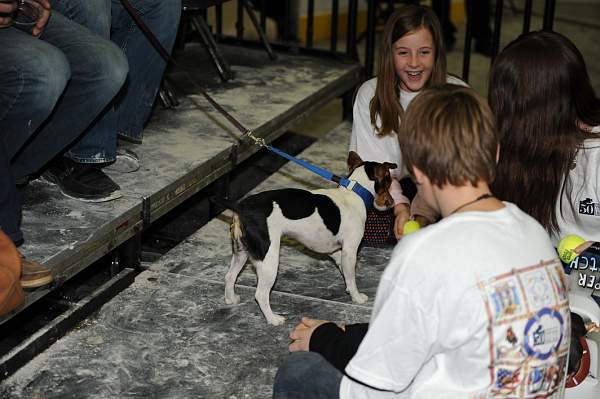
(233, 300)
(360, 298)
(276, 320)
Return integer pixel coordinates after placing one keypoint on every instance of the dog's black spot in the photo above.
(294, 203)
(329, 211)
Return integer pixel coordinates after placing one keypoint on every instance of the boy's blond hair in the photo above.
(449, 133)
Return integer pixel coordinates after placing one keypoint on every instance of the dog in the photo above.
(329, 221)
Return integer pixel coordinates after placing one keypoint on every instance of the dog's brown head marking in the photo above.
(354, 161)
(379, 173)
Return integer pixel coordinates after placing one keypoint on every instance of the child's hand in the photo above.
(300, 335)
(402, 213)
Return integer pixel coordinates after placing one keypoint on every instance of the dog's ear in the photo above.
(390, 165)
(354, 161)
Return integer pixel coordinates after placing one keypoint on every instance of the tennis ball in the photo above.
(410, 227)
(566, 247)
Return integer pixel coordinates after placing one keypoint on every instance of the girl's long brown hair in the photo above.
(540, 93)
(386, 102)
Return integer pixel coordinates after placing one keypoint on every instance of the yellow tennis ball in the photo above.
(566, 247)
(410, 227)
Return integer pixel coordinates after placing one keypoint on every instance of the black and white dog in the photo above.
(330, 221)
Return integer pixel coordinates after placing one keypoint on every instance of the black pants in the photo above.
(10, 205)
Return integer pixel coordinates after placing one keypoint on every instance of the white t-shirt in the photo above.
(581, 213)
(472, 306)
(373, 147)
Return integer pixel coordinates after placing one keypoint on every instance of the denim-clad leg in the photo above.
(33, 75)
(98, 70)
(95, 16)
(307, 375)
(109, 18)
(146, 64)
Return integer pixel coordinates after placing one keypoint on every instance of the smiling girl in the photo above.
(412, 57)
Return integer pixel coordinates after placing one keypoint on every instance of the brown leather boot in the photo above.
(33, 274)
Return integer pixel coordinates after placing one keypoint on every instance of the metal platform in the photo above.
(171, 335)
(183, 151)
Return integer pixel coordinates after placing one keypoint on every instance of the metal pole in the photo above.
(527, 15)
(468, 38)
(240, 20)
(263, 15)
(335, 6)
(351, 40)
(497, 28)
(310, 23)
(370, 47)
(219, 18)
(549, 14)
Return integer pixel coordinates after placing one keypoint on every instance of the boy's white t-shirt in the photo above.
(472, 306)
(373, 147)
(580, 213)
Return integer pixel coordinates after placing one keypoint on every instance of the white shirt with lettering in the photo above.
(578, 212)
(473, 306)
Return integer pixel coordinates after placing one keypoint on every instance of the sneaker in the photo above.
(81, 181)
(127, 162)
(33, 274)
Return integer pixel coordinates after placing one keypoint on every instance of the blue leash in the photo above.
(351, 185)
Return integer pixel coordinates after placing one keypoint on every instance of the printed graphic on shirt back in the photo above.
(529, 324)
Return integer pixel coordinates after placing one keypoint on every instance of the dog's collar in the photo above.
(359, 190)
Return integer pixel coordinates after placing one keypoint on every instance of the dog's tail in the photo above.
(237, 234)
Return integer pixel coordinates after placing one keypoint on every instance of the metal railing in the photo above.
(286, 39)
(549, 10)
(351, 34)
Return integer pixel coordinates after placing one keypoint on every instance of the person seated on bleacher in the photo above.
(52, 86)
(31, 274)
(470, 306)
(132, 107)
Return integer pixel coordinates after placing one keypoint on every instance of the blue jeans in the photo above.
(307, 375)
(51, 89)
(55, 87)
(109, 19)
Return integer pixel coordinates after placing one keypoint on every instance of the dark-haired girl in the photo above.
(548, 116)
